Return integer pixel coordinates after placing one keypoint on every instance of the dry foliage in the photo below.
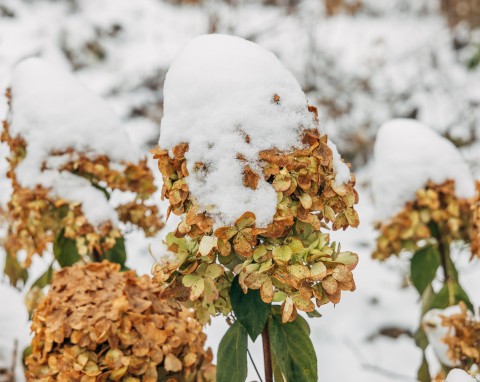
(290, 261)
(435, 207)
(463, 338)
(458, 11)
(35, 217)
(99, 324)
(350, 7)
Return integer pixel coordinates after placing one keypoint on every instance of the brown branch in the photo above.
(267, 355)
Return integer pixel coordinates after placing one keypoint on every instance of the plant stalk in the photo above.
(267, 355)
(444, 254)
(444, 249)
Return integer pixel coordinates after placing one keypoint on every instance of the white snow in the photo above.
(13, 325)
(159, 251)
(52, 110)
(407, 155)
(458, 375)
(219, 98)
(339, 166)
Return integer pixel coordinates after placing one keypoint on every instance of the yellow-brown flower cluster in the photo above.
(436, 211)
(290, 261)
(99, 324)
(35, 217)
(475, 233)
(463, 338)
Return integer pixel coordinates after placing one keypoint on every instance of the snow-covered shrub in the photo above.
(75, 174)
(426, 201)
(98, 323)
(256, 183)
(423, 190)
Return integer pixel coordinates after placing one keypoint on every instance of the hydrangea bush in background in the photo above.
(428, 204)
(394, 58)
(76, 177)
(257, 184)
(98, 323)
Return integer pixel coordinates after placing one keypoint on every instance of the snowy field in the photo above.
(392, 59)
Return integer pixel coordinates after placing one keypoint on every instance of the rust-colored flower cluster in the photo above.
(463, 338)
(436, 211)
(99, 324)
(35, 217)
(290, 261)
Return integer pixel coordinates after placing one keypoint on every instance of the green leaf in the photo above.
(26, 352)
(451, 293)
(426, 299)
(293, 354)
(14, 270)
(65, 250)
(452, 271)
(249, 309)
(232, 355)
(421, 339)
(423, 374)
(45, 278)
(117, 254)
(423, 267)
(314, 314)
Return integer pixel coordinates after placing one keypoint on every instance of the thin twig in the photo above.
(254, 366)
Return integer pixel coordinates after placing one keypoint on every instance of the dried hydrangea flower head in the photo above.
(99, 324)
(423, 190)
(436, 208)
(463, 338)
(68, 154)
(254, 180)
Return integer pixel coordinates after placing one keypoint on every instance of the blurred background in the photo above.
(361, 62)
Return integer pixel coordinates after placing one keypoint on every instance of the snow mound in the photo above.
(225, 97)
(52, 111)
(407, 155)
(13, 328)
(458, 375)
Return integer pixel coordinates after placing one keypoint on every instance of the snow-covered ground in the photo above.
(394, 59)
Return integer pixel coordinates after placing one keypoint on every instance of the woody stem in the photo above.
(267, 355)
